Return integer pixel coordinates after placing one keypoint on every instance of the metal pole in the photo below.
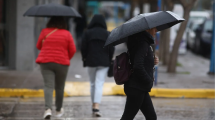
(212, 63)
(116, 13)
(159, 5)
(157, 45)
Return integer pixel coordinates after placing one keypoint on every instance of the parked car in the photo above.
(203, 39)
(196, 18)
(190, 33)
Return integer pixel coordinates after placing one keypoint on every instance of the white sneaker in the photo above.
(60, 113)
(97, 114)
(47, 114)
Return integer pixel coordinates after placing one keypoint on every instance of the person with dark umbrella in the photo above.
(141, 81)
(96, 58)
(139, 32)
(57, 48)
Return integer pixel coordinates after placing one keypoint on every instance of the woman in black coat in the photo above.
(141, 80)
(96, 58)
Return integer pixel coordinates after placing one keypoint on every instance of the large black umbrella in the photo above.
(52, 9)
(161, 20)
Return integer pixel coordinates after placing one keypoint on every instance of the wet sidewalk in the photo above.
(190, 81)
(191, 73)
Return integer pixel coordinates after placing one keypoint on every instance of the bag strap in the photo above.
(50, 33)
(128, 55)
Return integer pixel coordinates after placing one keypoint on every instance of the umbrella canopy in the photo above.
(161, 20)
(49, 10)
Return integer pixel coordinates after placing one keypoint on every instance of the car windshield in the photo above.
(208, 25)
(194, 26)
(193, 19)
(197, 19)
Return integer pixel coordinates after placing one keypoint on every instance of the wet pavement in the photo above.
(191, 74)
(79, 108)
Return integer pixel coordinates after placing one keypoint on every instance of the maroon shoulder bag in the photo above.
(122, 68)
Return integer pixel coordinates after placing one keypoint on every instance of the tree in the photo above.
(203, 5)
(132, 8)
(165, 35)
(187, 6)
(139, 3)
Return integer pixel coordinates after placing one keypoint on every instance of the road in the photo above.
(79, 108)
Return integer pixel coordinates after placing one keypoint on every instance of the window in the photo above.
(208, 26)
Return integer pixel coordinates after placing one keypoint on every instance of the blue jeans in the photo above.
(97, 78)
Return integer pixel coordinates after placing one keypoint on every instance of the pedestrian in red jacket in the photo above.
(57, 48)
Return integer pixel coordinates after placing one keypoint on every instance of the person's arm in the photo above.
(139, 69)
(39, 42)
(72, 48)
(111, 50)
(84, 47)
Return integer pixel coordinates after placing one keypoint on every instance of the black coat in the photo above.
(92, 49)
(142, 59)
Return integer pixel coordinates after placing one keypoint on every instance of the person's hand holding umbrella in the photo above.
(156, 60)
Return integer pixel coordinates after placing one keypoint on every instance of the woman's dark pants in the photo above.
(54, 76)
(138, 100)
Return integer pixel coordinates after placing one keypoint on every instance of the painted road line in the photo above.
(83, 89)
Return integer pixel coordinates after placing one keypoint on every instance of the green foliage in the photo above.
(185, 72)
(179, 64)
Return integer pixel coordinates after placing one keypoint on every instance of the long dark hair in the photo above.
(57, 22)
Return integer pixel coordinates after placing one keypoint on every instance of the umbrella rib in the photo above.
(56, 10)
(146, 22)
(172, 15)
(37, 10)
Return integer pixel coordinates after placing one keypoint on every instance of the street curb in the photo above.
(83, 89)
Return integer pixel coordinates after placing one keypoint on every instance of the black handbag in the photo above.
(110, 70)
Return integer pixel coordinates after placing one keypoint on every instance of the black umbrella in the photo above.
(49, 10)
(161, 20)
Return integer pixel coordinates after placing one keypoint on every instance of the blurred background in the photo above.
(18, 34)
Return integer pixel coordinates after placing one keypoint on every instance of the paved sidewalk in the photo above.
(192, 74)
(190, 81)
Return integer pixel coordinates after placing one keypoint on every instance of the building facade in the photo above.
(19, 34)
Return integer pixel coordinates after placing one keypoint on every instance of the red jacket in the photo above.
(58, 47)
